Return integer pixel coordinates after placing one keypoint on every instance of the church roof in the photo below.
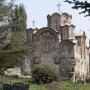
(65, 14)
(69, 41)
(56, 14)
(60, 14)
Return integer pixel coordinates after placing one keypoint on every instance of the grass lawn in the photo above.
(66, 85)
(13, 79)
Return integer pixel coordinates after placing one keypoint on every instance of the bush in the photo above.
(42, 74)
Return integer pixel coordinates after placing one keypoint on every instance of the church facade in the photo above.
(61, 46)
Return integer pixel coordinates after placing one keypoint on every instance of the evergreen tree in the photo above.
(5, 35)
(5, 9)
(19, 18)
(84, 5)
(18, 26)
(12, 35)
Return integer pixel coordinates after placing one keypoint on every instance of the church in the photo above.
(60, 46)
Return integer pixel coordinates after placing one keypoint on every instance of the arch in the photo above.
(66, 14)
(72, 26)
(56, 14)
(46, 29)
(66, 26)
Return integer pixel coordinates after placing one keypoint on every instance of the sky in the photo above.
(38, 10)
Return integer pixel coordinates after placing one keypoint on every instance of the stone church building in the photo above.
(61, 46)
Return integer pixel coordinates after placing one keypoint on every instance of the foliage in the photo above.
(37, 87)
(19, 18)
(44, 74)
(12, 19)
(13, 58)
(9, 59)
(12, 34)
(66, 85)
(13, 79)
(18, 27)
(5, 9)
(85, 6)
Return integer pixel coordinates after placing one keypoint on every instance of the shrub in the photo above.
(44, 74)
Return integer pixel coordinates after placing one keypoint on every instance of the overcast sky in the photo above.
(38, 10)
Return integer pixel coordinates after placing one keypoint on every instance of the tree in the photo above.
(5, 9)
(5, 36)
(84, 5)
(12, 25)
(18, 26)
(12, 31)
(18, 18)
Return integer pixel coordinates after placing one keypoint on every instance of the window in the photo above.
(72, 57)
(45, 47)
(69, 50)
(64, 21)
(71, 33)
(81, 52)
(56, 60)
(66, 34)
(56, 25)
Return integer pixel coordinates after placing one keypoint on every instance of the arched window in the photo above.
(45, 47)
(69, 50)
(65, 34)
(46, 41)
(56, 25)
(71, 33)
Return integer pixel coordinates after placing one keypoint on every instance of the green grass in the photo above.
(66, 85)
(13, 79)
(37, 87)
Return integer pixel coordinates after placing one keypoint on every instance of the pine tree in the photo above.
(5, 9)
(19, 18)
(12, 35)
(84, 5)
(18, 26)
(5, 36)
